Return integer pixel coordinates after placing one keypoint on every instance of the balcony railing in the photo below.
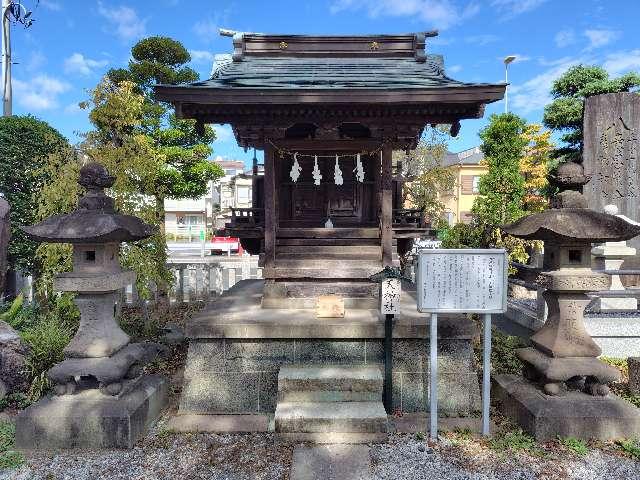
(408, 217)
(246, 218)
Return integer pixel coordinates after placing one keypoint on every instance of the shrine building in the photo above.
(327, 111)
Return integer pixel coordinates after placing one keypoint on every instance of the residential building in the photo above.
(188, 217)
(468, 169)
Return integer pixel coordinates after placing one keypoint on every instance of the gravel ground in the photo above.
(406, 458)
(259, 457)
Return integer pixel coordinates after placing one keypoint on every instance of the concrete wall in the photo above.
(241, 376)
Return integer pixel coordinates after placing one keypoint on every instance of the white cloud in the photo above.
(40, 92)
(72, 109)
(480, 40)
(201, 56)
(534, 93)
(223, 133)
(36, 61)
(436, 13)
(511, 8)
(128, 26)
(206, 29)
(78, 63)
(619, 63)
(51, 5)
(454, 68)
(600, 38)
(564, 38)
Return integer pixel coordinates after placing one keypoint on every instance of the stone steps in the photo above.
(330, 404)
(329, 417)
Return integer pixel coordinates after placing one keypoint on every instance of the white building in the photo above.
(188, 217)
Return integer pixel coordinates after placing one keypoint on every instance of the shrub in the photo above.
(9, 458)
(47, 340)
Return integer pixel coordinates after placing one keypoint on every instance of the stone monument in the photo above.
(101, 399)
(565, 390)
(611, 149)
(610, 256)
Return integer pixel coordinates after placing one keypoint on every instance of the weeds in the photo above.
(14, 400)
(630, 447)
(514, 441)
(9, 458)
(577, 446)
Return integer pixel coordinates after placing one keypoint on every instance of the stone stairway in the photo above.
(330, 404)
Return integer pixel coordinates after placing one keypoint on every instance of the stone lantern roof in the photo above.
(575, 225)
(94, 220)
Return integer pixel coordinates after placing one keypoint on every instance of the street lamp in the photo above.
(507, 61)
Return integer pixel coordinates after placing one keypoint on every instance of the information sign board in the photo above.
(462, 280)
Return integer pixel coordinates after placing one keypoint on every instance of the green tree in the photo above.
(429, 177)
(183, 146)
(25, 146)
(564, 113)
(501, 189)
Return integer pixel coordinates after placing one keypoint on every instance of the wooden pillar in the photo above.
(270, 205)
(386, 216)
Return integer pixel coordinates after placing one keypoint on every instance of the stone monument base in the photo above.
(575, 414)
(91, 419)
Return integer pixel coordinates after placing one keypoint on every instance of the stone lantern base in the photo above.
(89, 419)
(575, 414)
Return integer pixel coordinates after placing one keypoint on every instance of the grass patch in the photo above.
(9, 458)
(503, 351)
(577, 446)
(630, 448)
(515, 441)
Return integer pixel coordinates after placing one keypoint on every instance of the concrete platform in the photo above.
(90, 419)
(237, 348)
(575, 414)
(239, 314)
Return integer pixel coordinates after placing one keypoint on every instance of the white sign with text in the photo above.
(462, 280)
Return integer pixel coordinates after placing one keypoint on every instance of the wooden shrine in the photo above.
(328, 111)
(325, 96)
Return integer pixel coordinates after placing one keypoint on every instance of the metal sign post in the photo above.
(461, 281)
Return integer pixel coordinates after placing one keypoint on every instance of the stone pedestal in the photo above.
(611, 256)
(90, 419)
(576, 414)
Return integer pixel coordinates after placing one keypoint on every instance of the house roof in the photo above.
(471, 156)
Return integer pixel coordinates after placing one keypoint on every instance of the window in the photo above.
(470, 184)
(194, 219)
(230, 171)
(243, 194)
(475, 186)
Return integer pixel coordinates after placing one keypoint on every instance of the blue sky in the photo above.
(74, 42)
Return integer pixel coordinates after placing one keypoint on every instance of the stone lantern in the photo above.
(562, 361)
(101, 374)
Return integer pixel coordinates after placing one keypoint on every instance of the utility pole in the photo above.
(16, 12)
(6, 59)
(507, 61)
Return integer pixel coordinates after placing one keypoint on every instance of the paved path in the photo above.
(331, 462)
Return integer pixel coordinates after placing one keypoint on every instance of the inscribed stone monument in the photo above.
(611, 149)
